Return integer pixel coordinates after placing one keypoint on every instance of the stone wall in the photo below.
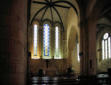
(55, 67)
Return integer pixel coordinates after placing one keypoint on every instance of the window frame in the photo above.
(106, 46)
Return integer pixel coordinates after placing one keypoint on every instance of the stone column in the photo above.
(92, 63)
(13, 37)
(88, 47)
(83, 48)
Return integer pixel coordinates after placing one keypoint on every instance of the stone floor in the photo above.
(99, 79)
(52, 81)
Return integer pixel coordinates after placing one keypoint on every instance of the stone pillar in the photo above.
(13, 37)
(88, 47)
(83, 48)
(92, 63)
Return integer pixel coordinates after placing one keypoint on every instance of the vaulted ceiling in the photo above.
(53, 10)
(57, 10)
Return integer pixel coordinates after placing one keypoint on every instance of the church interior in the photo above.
(55, 42)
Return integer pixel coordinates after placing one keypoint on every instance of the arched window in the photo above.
(35, 39)
(46, 41)
(57, 43)
(106, 46)
(77, 48)
(35, 42)
(78, 57)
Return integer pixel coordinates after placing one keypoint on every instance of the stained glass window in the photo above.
(35, 54)
(35, 39)
(46, 41)
(57, 52)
